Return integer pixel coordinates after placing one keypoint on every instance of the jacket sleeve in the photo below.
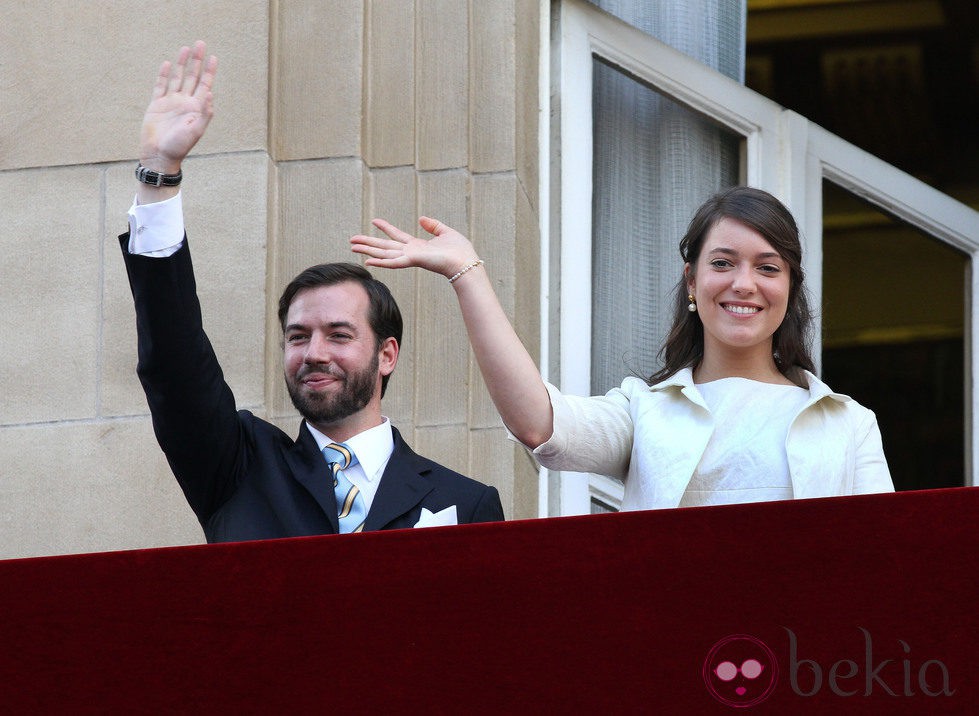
(871, 472)
(590, 434)
(488, 507)
(193, 408)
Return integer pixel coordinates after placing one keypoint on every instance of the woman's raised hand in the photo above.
(509, 372)
(447, 253)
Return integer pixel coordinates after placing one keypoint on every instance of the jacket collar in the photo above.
(683, 379)
(819, 390)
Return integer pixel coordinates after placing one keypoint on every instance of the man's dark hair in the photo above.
(383, 315)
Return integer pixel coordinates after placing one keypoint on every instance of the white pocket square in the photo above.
(438, 519)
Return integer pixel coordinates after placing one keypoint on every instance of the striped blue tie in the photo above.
(350, 503)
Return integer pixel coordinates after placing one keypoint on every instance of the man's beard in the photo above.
(330, 408)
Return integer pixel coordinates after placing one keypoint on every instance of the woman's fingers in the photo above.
(432, 226)
(393, 231)
(378, 255)
(377, 247)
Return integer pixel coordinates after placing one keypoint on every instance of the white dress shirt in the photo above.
(373, 449)
(156, 229)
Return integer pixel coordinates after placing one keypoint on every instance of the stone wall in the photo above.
(328, 113)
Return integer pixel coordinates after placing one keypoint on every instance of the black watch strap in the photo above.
(148, 176)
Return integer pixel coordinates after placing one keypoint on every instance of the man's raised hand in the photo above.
(179, 110)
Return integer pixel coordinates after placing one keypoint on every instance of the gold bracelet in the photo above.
(471, 266)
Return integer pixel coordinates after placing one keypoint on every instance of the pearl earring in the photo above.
(693, 303)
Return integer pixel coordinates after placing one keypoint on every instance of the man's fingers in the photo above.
(207, 77)
(162, 80)
(193, 74)
(177, 72)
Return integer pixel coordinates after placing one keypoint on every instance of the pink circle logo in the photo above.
(740, 671)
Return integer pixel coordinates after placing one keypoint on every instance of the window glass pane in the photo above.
(654, 163)
(893, 336)
(599, 507)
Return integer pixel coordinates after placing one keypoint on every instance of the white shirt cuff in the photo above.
(156, 229)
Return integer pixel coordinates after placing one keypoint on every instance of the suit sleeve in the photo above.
(193, 408)
(488, 508)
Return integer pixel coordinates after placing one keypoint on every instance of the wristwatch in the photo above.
(148, 176)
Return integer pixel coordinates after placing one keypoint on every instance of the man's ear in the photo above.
(387, 356)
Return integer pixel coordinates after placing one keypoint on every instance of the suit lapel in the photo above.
(403, 485)
(309, 468)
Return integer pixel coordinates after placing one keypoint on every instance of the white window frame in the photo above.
(784, 153)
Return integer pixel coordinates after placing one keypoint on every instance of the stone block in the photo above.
(76, 98)
(526, 484)
(493, 237)
(491, 461)
(441, 84)
(50, 260)
(89, 487)
(527, 274)
(442, 352)
(445, 444)
(527, 97)
(492, 88)
(317, 52)
(389, 102)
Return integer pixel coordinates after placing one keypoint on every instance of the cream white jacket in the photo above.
(654, 436)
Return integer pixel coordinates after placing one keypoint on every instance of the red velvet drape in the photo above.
(852, 605)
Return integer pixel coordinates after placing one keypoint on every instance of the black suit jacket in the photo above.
(245, 478)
